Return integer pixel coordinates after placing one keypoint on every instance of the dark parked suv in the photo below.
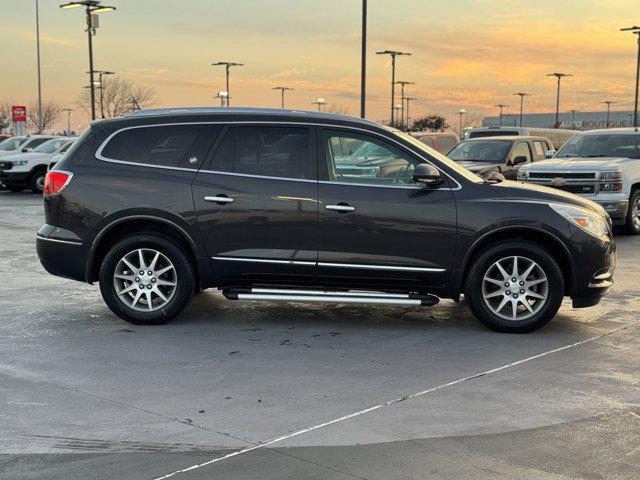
(268, 205)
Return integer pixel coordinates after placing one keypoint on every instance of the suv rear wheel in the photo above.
(515, 286)
(146, 279)
(633, 214)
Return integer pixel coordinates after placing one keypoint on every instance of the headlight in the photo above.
(610, 175)
(523, 174)
(589, 221)
(20, 163)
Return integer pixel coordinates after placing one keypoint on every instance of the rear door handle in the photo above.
(340, 208)
(219, 199)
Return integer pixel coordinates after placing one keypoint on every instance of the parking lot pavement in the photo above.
(272, 391)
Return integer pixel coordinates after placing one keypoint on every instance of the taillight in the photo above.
(55, 181)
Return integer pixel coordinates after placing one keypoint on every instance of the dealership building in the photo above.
(569, 120)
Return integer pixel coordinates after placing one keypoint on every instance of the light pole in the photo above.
(573, 118)
(608, 104)
(319, 102)
(402, 83)
(227, 66)
(393, 54)
(522, 95)
(363, 60)
(38, 60)
(501, 106)
(558, 77)
(282, 90)
(409, 99)
(92, 8)
(102, 73)
(68, 110)
(461, 112)
(222, 95)
(636, 31)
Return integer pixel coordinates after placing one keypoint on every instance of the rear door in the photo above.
(257, 204)
(377, 227)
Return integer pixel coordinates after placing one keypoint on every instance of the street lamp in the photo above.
(227, 66)
(38, 61)
(319, 102)
(393, 54)
(501, 106)
(573, 118)
(102, 73)
(608, 104)
(409, 99)
(282, 90)
(461, 112)
(68, 110)
(222, 95)
(402, 83)
(636, 31)
(558, 77)
(92, 8)
(522, 95)
(363, 60)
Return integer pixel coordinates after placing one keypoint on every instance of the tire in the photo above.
(36, 182)
(546, 281)
(15, 189)
(123, 294)
(632, 224)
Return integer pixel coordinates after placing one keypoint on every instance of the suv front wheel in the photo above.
(515, 286)
(146, 279)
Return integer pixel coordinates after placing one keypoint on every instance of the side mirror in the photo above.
(493, 177)
(518, 160)
(27, 149)
(428, 175)
(549, 154)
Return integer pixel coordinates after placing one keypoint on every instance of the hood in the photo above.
(480, 166)
(584, 163)
(26, 156)
(530, 192)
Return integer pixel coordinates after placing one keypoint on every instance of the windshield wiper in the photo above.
(566, 156)
(593, 156)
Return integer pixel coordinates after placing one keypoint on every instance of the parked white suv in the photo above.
(601, 165)
(28, 169)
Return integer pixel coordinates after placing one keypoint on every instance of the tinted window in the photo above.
(445, 144)
(12, 143)
(521, 149)
(373, 161)
(223, 157)
(491, 151)
(35, 142)
(51, 145)
(428, 141)
(165, 146)
(273, 151)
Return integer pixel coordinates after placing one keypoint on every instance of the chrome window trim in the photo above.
(249, 175)
(56, 240)
(101, 157)
(331, 264)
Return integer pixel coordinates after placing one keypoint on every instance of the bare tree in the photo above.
(469, 120)
(5, 115)
(50, 113)
(119, 97)
(337, 109)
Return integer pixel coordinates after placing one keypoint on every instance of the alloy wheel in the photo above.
(145, 280)
(635, 213)
(515, 288)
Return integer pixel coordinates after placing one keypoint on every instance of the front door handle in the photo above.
(219, 199)
(340, 208)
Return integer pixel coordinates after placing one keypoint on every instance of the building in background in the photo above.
(569, 120)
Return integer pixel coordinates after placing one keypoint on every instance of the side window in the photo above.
(373, 162)
(37, 142)
(223, 157)
(445, 144)
(428, 141)
(540, 149)
(521, 149)
(273, 151)
(162, 146)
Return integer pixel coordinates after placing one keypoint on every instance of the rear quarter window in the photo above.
(445, 144)
(153, 145)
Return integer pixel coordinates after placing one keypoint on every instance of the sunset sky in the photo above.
(470, 54)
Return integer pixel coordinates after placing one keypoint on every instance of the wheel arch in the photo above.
(135, 224)
(540, 237)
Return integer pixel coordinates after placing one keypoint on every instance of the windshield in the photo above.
(472, 177)
(50, 146)
(13, 143)
(481, 151)
(369, 149)
(605, 145)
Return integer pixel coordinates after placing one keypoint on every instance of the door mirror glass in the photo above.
(427, 174)
(493, 177)
(549, 154)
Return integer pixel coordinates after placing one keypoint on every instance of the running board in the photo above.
(293, 295)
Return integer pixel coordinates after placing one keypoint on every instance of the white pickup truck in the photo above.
(601, 165)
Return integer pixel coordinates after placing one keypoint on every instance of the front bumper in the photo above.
(595, 264)
(616, 208)
(61, 252)
(14, 178)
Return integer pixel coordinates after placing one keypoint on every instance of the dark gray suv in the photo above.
(268, 205)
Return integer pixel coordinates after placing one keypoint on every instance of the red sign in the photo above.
(19, 113)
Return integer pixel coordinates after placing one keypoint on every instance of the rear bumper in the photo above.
(61, 253)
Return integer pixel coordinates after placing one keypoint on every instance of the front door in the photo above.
(377, 227)
(257, 204)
